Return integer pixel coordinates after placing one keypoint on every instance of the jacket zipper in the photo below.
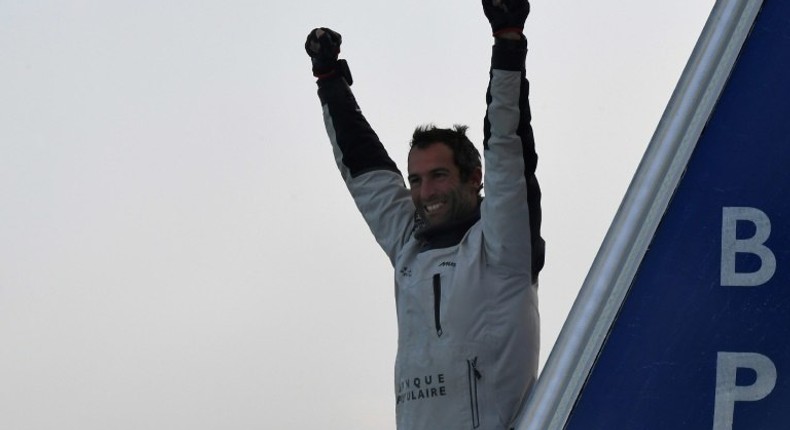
(437, 303)
(474, 375)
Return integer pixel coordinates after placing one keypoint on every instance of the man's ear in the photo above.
(476, 177)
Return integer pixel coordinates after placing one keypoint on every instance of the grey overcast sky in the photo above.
(177, 249)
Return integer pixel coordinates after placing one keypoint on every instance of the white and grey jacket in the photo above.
(466, 295)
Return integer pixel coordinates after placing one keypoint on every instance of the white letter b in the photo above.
(731, 246)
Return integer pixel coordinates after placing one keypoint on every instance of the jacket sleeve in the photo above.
(372, 178)
(511, 209)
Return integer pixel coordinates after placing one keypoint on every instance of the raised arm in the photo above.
(371, 176)
(511, 209)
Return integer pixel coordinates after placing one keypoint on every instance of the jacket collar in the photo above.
(445, 235)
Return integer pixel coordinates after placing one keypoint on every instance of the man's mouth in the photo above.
(432, 207)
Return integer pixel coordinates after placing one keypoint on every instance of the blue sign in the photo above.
(702, 339)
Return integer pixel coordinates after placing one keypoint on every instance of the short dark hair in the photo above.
(465, 155)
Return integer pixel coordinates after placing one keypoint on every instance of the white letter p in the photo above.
(727, 392)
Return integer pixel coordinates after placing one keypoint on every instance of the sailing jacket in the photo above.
(466, 294)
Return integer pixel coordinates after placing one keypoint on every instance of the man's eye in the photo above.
(413, 181)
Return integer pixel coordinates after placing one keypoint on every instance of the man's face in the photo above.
(436, 187)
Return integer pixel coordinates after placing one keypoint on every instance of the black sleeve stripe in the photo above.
(533, 187)
(361, 148)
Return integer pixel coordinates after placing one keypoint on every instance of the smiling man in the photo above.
(466, 266)
(444, 175)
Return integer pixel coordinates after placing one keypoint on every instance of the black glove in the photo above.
(323, 47)
(506, 15)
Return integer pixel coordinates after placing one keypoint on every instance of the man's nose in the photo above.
(427, 189)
